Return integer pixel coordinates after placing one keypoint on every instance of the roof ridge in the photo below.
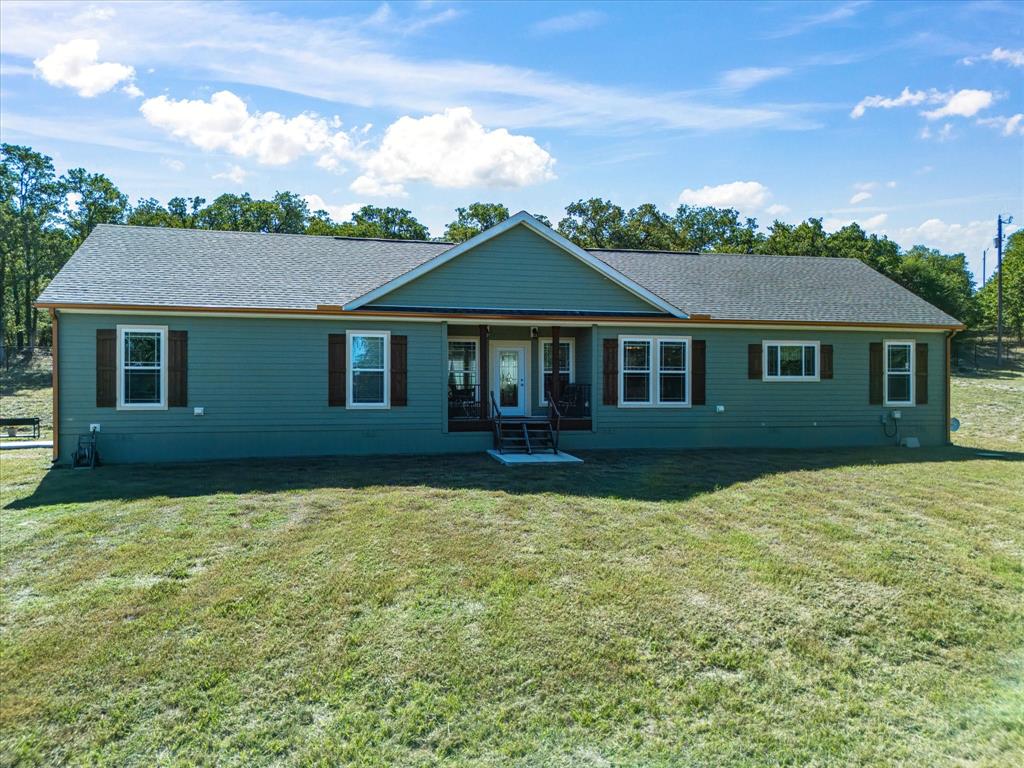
(723, 253)
(198, 230)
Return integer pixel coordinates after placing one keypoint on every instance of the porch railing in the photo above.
(574, 402)
(464, 402)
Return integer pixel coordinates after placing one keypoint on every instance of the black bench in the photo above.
(9, 427)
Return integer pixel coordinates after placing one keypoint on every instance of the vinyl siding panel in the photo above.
(263, 384)
(516, 270)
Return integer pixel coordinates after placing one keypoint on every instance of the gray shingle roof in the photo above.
(135, 266)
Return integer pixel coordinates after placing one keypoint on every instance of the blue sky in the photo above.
(906, 117)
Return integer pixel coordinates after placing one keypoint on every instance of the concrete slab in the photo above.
(14, 445)
(534, 458)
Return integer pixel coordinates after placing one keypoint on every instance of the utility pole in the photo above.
(999, 287)
(984, 276)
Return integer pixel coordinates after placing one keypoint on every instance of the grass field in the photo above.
(711, 608)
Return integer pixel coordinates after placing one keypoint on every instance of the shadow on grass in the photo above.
(637, 475)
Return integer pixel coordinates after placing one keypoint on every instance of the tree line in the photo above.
(44, 217)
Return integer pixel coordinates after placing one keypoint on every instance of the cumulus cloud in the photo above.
(965, 103)
(451, 150)
(339, 213)
(907, 98)
(75, 64)
(742, 195)
(998, 55)
(747, 77)
(225, 123)
(868, 225)
(1008, 126)
(948, 237)
(236, 174)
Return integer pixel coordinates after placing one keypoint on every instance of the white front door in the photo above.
(509, 377)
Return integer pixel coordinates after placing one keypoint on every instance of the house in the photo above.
(187, 345)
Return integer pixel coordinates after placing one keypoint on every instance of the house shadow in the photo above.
(630, 475)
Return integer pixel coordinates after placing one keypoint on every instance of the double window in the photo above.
(566, 363)
(653, 371)
(463, 365)
(790, 360)
(899, 373)
(369, 356)
(142, 367)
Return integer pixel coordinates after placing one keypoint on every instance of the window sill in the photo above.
(654, 406)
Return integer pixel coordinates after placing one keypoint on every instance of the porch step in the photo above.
(525, 435)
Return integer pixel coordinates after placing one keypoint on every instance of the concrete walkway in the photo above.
(14, 445)
(534, 458)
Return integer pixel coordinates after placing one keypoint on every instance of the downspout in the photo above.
(55, 377)
(949, 411)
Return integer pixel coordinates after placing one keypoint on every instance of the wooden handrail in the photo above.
(496, 421)
(554, 416)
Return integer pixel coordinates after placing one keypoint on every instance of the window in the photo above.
(653, 371)
(791, 360)
(899, 373)
(463, 370)
(141, 356)
(566, 366)
(368, 362)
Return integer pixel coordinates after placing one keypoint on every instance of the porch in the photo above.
(519, 372)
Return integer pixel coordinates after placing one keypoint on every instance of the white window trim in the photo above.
(571, 341)
(791, 343)
(386, 335)
(654, 372)
(121, 404)
(885, 373)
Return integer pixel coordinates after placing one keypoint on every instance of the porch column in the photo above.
(556, 363)
(485, 390)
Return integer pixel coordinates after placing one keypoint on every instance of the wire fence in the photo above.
(977, 351)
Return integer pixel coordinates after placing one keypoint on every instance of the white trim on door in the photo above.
(523, 348)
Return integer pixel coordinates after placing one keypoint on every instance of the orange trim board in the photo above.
(55, 379)
(692, 320)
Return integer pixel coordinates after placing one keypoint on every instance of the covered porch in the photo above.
(521, 372)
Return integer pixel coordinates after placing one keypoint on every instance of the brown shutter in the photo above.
(399, 371)
(826, 361)
(611, 372)
(698, 387)
(177, 369)
(875, 373)
(921, 374)
(106, 368)
(754, 359)
(336, 369)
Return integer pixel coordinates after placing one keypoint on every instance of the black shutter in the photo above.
(336, 369)
(177, 369)
(826, 361)
(876, 386)
(754, 361)
(610, 379)
(698, 364)
(106, 368)
(399, 371)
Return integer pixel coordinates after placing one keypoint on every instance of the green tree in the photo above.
(180, 213)
(595, 223)
(91, 199)
(473, 220)
(700, 229)
(387, 223)
(649, 228)
(808, 238)
(1013, 290)
(940, 279)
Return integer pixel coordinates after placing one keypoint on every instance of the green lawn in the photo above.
(711, 608)
(25, 391)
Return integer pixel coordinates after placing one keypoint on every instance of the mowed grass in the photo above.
(711, 608)
(25, 391)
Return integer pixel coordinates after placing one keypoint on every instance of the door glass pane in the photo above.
(508, 378)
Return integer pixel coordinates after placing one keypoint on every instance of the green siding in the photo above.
(263, 383)
(518, 269)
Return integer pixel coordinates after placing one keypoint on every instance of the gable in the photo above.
(516, 270)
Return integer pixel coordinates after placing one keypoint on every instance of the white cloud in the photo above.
(949, 238)
(907, 98)
(1008, 126)
(747, 77)
(999, 55)
(451, 150)
(75, 64)
(944, 134)
(868, 225)
(860, 197)
(131, 89)
(235, 174)
(338, 213)
(965, 103)
(225, 123)
(345, 61)
(890, 184)
(173, 164)
(568, 22)
(841, 12)
(745, 196)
